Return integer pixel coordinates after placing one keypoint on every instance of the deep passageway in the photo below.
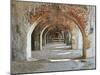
(56, 45)
(52, 37)
(56, 50)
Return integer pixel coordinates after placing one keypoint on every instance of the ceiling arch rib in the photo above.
(49, 12)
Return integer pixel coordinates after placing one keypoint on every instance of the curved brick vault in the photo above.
(43, 17)
(65, 17)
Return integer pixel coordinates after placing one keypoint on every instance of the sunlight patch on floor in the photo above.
(55, 60)
(64, 53)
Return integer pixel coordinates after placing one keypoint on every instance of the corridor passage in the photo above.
(56, 50)
(52, 37)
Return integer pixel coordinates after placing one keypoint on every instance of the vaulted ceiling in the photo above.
(61, 16)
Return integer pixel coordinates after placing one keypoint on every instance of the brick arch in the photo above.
(28, 48)
(80, 25)
(71, 16)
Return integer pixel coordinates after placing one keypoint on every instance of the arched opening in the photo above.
(68, 35)
(49, 38)
(28, 48)
(58, 36)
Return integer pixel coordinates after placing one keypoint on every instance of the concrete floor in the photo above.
(54, 57)
(56, 50)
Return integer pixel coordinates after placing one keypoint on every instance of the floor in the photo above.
(54, 57)
(56, 50)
